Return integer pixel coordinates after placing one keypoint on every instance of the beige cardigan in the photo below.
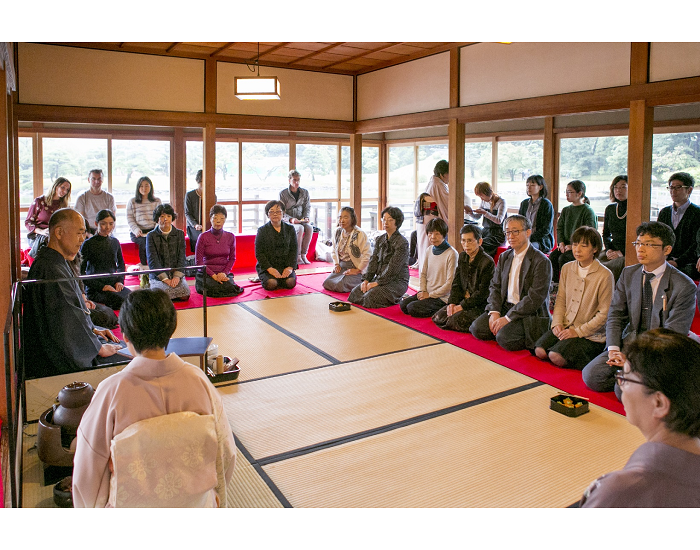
(582, 304)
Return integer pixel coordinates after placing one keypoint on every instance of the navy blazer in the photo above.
(685, 248)
(623, 317)
(534, 280)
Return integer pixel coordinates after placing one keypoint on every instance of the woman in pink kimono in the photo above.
(430, 205)
(154, 395)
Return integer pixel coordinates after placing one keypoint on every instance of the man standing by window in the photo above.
(684, 217)
(90, 202)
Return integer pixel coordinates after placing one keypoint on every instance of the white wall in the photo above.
(500, 72)
(305, 94)
(669, 60)
(412, 87)
(59, 75)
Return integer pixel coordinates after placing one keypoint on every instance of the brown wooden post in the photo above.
(178, 180)
(550, 168)
(455, 204)
(210, 85)
(208, 171)
(356, 174)
(454, 77)
(638, 171)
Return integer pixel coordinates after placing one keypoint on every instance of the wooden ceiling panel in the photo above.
(335, 57)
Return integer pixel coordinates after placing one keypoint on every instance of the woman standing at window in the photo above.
(430, 205)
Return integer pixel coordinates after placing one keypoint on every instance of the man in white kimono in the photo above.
(151, 386)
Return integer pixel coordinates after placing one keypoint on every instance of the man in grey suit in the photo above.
(517, 311)
(669, 298)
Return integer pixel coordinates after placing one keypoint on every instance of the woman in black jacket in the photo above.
(165, 246)
(540, 212)
(276, 250)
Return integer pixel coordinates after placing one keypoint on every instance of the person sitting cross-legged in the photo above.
(648, 295)
(153, 385)
(436, 274)
(517, 311)
(585, 290)
(470, 285)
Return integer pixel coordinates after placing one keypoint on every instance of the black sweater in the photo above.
(101, 255)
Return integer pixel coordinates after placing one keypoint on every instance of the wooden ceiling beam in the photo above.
(221, 49)
(273, 49)
(414, 56)
(172, 47)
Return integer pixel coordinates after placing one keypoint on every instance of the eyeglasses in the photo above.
(514, 232)
(637, 244)
(622, 380)
(677, 187)
(469, 241)
(276, 211)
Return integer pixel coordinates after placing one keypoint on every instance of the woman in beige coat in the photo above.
(585, 291)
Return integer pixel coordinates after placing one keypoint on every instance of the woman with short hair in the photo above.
(577, 335)
(386, 279)
(660, 383)
(165, 247)
(216, 249)
(351, 253)
(539, 210)
(276, 250)
(102, 253)
(494, 211)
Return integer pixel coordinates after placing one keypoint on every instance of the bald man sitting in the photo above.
(58, 336)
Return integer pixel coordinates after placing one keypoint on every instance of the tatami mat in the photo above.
(278, 415)
(511, 452)
(261, 349)
(347, 335)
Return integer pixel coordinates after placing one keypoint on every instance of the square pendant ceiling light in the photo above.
(256, 87)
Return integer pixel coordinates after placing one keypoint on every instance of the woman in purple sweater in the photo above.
(216, 249)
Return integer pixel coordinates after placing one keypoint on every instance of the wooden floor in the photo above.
(351, 410)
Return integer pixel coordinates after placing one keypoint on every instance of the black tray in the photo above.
(555, 405)
(224, 377)
(339, 306)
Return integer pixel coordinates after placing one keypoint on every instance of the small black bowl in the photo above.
(339, 306)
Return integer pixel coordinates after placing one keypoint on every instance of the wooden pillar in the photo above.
(383, 176)
(638, 171)
(5, 224)
(210, 85)
(356, 174)
(550, 168)
(178, 179)
(454, 77)
(208, 171)
(455, 204)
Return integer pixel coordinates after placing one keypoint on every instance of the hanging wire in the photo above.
(256, 63)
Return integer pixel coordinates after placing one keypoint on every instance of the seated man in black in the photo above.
(517, 311)
(684, 218)
(58, 336)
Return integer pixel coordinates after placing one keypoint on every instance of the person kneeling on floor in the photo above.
(436, 274)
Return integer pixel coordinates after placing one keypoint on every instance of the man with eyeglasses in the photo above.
(94, 199)
(517, 311)
(684, 217)
(648, 295)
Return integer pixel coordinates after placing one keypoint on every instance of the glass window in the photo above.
(345, 172)
(132, 159)
(477, 167)
(516, 161)
(26, 171)
(595, 161)
(370, 188)
(73, 158)
(428, 157)
(194, 159)
(673, 153)
(402, 187)
(265, 169)
(226, 171)
(318, 166)
(253, 217)
(324, 215)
